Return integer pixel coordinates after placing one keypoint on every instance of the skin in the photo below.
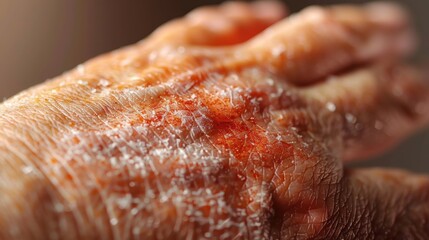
(229, 123)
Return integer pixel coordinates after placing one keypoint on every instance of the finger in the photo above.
(378, 106)
(381, 204)
(327, 40)
(229, 23)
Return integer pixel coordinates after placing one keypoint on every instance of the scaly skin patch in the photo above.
(211, 161)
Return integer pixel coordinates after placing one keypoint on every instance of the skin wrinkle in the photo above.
(78, 185)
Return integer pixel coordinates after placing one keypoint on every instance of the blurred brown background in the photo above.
(43, 38)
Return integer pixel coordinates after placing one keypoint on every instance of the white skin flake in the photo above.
(141, 157)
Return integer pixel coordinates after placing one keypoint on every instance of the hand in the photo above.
(213, 127)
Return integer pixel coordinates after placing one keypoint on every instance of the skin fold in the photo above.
(233, 122)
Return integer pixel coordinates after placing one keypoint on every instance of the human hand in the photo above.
(214, 128)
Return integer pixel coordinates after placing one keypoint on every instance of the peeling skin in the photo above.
(173, 138)
(212, 161)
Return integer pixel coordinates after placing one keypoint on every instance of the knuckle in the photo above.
(316, 14)
(202, 13)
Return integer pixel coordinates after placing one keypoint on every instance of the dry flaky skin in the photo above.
(198, 132)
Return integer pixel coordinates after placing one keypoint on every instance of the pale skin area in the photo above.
(233, 122)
